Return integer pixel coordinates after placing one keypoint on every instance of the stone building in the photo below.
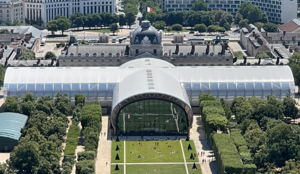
(146, 41)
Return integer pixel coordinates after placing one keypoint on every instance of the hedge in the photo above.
(243, 149)
(91, 123)
(238, 139)
(72, 140)
(86, 166)
(226, 154)
(68, 163)
(87, 155)
(249, 168)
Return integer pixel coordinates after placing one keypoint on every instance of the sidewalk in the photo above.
(104, 149)
(202, 145)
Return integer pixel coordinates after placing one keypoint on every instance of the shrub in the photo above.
(72, 140)
(160, 25)
(87, 155)
(86, 166)
(238, 54)
(177, 27)
(249, 168)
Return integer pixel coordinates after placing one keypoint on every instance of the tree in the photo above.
(130, 8)
(52, 26)
(113, 27)
(122, 20)
(16, 22)
(291, 167)
(200, 28)
(25, 157)
(289, 107)
(262, 55)
(29, 97)
(177, 27)
(294, 63)
(77, 19)
(130, 18)
(211, 28)
(270, 27)
(27, 55)
(197, 17)
(151, 16)
(243, 111)
(79, 99)
(4, 31)
(199, 5)
(89, 20)
(160, 25)
(11, 105)
(50, 56)
(243, 23)
(27, 107)
(63, 24)
(97, 20)
(238, 18)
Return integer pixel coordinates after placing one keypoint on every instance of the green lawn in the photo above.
(173, 31)
(156, 169)
(106, 30)
(187, 153)
(120, 171)
(190, 167)
(114, 152)
(160, 154)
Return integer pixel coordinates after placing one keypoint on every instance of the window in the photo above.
(154, 51)
(136, 51)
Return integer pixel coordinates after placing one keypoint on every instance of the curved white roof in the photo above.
(67, 75)
(147, 63)
(149, 81)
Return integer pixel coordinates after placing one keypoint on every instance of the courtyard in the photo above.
(155, 156)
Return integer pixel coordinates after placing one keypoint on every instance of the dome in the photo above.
(145, 34)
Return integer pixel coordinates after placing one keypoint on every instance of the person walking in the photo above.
(106, 163)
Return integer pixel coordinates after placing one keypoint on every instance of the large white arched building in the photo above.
(152, 86)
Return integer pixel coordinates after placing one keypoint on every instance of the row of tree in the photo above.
(263, 125)
(39, 148)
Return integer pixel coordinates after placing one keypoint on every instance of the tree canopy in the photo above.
(294, 63)
(199, 5)
(27, 55)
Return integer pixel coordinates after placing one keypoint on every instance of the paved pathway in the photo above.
(202, 145)
(64, 144)
(104, 149)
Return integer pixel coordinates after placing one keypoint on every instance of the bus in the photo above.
(43, 42)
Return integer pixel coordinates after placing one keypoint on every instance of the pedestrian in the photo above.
(104, 133)
(106, 163)
(155, 143)
(101, 133)
(198, 153)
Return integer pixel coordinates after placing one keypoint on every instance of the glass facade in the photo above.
(152, 117)
(230, 90)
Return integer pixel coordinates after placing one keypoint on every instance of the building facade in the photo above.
(149, 96)
(11, 10)
(279, 11)
(46, 10)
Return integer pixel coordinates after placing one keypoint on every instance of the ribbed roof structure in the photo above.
(11, 125)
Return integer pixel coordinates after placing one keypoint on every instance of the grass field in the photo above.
(187, 153)
(190, 167)
(160, 154)
(156, 169)
(114, 152)
(120, 171)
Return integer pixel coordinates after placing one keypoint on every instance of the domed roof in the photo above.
(145, 34)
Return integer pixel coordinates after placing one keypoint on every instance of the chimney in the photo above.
(5, 47)
(2, 45)
(286, 46)
(245, 60)
(52, 61)
(266, 33)
(223, 48)
(234, 59)
(1, 53)
(207, 49)
(38, 61)
(67, 50)
(177, 49)
(259, 61)
(12, 39)
(291, 50)
(277, 61)
(193, 49)
(284, 32)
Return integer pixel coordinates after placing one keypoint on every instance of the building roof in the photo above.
(145, 34)
(36, 33)
(147, 63)
(11, 125)
(290, 26)
(138, 83)
(94, 49)
(113, 75)
(200, 49)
